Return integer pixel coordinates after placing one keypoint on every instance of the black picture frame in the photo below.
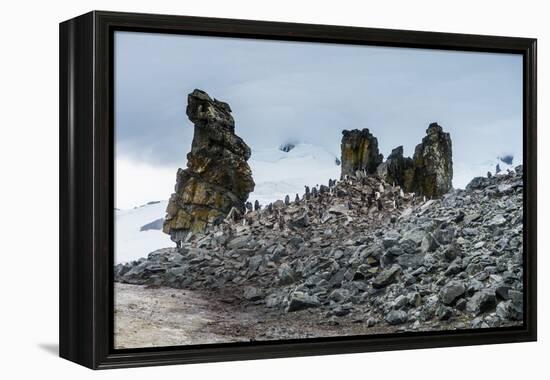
(87, 201)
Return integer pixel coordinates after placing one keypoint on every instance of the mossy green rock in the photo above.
(217, 177)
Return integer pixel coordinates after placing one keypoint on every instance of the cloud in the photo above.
(309, 92)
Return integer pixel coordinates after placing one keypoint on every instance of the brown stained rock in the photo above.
(359, 152)
(217, 177)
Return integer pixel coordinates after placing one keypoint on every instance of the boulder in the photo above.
(482, 301)
(386, 277)
(217, 177)
(396, 317)
(451, 291)
(300, 301)
(252, 293)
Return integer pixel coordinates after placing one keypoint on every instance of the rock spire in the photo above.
(217, 177)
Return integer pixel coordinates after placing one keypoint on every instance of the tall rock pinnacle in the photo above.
(217, 177)
(359, 152)
(432, 172)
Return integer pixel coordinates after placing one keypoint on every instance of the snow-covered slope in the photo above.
(277, 173)
(130, 242)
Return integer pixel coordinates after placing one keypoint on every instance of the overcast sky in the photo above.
(305, 92)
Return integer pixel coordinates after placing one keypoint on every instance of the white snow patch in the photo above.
(130, 242)
(277, 173)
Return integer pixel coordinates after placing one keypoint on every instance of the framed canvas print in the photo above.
(237, 189)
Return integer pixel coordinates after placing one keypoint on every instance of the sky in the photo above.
(283, 92)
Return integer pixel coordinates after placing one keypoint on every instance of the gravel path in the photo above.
(152, 317)
(159, 316)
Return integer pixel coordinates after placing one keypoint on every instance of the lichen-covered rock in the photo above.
(359, 152)
(217, 177)
(432, 171)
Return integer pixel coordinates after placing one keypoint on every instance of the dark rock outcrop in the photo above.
(217, 177)
(395, 168)
(428, 173)
(359, 152)
(432, 171)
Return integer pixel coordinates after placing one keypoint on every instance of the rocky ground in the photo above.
(357, 257)
(151, 316)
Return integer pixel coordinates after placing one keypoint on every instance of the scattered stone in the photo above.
(482, 301)
(386, 277)
(451, 291)
(301, 221)
(396, 317)
(252, 294)
(300, 300)
(443, 313)
(429, 244)
(452, 252)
